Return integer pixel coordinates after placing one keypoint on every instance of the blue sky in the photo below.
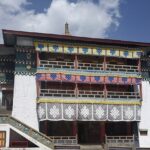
(115, 19)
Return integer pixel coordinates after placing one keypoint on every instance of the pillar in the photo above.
(74, 128)
(129, 129)
(102, 132)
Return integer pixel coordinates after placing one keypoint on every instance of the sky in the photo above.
(112, 19)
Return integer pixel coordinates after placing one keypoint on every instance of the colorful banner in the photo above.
(82, 78)
(68, 77)
(53, 77)
(87, 79)
(137, 54)
(97, 79)
(70, 50)
(126, 54)
(111, 80)
(136, 81)
(98, 51)
(85, 50)
(56, 48)
(40, 77)
(112, 52)
(40, 46)
(124, 80)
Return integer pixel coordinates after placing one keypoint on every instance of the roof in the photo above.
(11, 35)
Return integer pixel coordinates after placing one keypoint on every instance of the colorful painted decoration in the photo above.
(58, 48)
(87, 79)
(53, 77)
(68, 77)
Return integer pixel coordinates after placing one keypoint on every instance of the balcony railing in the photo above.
(56, 64)
(122, 95)
(116, 141)
(88, 94)
(90, 66)
(64, 139)
(122, 68)
(87, 66)
(57, 93)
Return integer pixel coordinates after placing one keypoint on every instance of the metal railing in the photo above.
(122, 95)
(41, 138)
(116, 141)
(64, 139)
(122, 68)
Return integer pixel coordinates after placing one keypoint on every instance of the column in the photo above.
(74, 128)
(76, 62)
(102, 132)
(128, 128)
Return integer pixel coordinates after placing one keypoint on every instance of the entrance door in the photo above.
(89, 132)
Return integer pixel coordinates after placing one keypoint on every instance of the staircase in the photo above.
(36, 137)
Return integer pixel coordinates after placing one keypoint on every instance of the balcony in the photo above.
(88, 94)
(122, 95)
(122, 68)
(47, 65)
(90, 66)
(56, 64)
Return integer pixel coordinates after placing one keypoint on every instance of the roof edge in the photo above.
(74, 38)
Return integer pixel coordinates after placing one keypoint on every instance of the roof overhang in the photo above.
(10, 39)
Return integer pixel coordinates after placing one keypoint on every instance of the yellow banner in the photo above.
(56, 48)
(85, 50)
(137, 54)
(40, 46)
(112, 52)
(98, 51)
(70, 49)
(126, 54)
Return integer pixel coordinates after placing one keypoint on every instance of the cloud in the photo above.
(85, 17)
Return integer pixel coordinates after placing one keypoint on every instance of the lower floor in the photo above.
(87, 132)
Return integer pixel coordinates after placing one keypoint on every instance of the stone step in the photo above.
(67, 147)
(91, 147)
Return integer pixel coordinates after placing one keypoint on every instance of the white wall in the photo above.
(145, 115)
(24, 100)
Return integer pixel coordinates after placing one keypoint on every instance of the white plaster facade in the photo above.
(145, 115)
(24, 100)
